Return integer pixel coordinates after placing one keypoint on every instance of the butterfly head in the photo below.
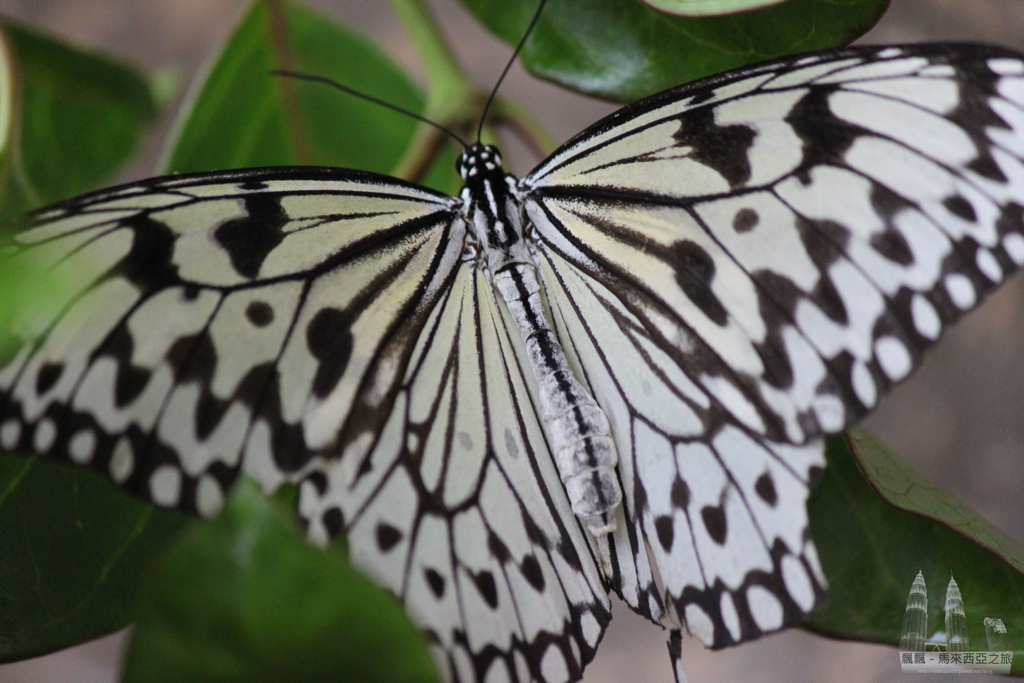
(478, 159)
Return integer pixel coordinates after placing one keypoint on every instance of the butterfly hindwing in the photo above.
(774, 247)
(458, 510)
(723, 512)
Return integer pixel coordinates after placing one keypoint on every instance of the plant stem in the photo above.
(450, 92)
(524, 125)
(453, 101)
(280, 43)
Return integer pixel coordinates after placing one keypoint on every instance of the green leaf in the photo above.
(244, 598)
(703, 8)
(877, 521)
(243, 117)
(68, 119)
(72, 550)
(623, 50)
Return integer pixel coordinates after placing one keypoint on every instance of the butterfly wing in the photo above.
(458, 508)
(770, 250)
(220, 322)
(316, 326)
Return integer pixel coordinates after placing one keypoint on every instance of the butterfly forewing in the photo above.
(209, 329)
(770, 250)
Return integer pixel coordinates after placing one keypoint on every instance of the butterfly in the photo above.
(614, 374)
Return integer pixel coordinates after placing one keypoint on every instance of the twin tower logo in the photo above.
(949, 651)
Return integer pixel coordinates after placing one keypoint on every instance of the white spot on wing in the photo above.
(926, 318)
(988, 265)
(864, 385)
(961, 290)
(165, 485)
(122, 461)
(729, 615)
(591, 628)
(553, 667)
(734, 401)
(1006, 67)
(46, 434)
(1013, 243)
(209, 496)
(699, 624)
(82, 445)
(10, 433)
(797, 583)
(893, 356)
(765, 608)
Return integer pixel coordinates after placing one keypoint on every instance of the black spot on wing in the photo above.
(498, 549)
(825, 137)
(723, 148)
(435, 581)
(149, 262)
(319, 481)
(387, 537)
(765, 488)
(714, 522)
(892, 245)
(333, 521)
(487, 587)
(48, 376)
(680, 494)
(666, 532)
(287, 443)
(249, 239)
(129, 384)
(745, 220)
(986, 167)
(695, 269)
(532, 571)
(959, 206)
(778, 371)
(1011, 219)
(259, 313)
(329, 337)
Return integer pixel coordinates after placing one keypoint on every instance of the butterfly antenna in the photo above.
(368, 98)
(529, 30)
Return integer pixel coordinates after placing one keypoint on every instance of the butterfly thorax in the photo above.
(578, 431)
(490, 208)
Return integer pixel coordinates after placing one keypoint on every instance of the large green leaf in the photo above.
(623, 50)
(68, 118)
(241, 116)
(72, 549)
(244, 598)
(877, 522)
(71, 545)
(703, 8)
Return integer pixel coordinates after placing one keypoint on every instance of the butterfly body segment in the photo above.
(578, 430)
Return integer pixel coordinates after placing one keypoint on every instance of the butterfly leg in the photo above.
(675, 652)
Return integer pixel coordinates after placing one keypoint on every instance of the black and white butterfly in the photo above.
(669, 314)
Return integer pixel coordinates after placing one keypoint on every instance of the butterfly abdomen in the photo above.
(579, 433)
(577, 429)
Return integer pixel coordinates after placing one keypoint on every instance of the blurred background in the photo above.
(960, 418)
